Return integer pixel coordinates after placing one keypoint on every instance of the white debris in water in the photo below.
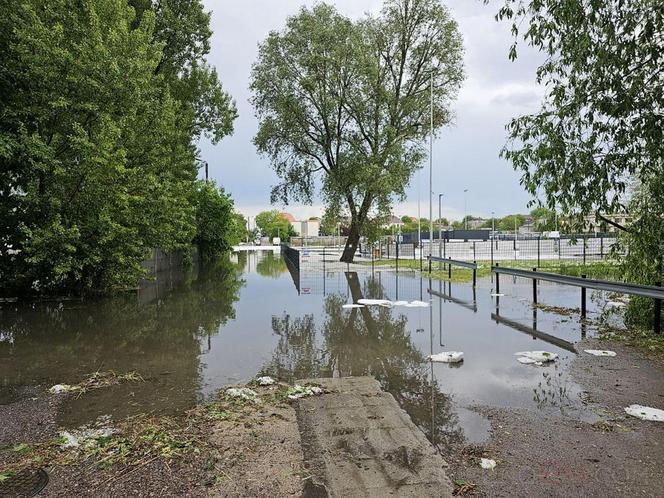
(375, 302)
(265, 381)
(399, 303)
(350, 306)
(87, 436)
(62, 388)
(417, 304)
(497, 294)
(645, 413)
(298, 391)
(535, 357)
(242, 393)
(616, 304)
(487, 463)
(600, 352)
(447, 357)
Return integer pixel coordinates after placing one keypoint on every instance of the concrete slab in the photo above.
(358, 442)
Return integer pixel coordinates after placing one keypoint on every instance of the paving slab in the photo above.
(358, 442)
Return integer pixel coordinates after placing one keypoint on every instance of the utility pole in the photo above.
(431, 172)
(440, 225)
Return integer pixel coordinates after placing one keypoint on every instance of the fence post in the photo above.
(449, 270)
(601, 246)
(583, 299)
(474, 255)
(373, 255)
(658, 313)
(413, 251)
(397, 251)
(474, 274)
(323, 263)
(497, 280)
(535, 287)
(539, 238)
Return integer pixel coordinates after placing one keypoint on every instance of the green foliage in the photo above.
(217, 227)
(507, 223)
(343, 106)
(102, 106)
(600, 123)
(274, 224)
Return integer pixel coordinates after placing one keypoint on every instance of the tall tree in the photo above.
(601, 124)
(348, 103)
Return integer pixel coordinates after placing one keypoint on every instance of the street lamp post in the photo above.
(440, 226)
(465, 208)
(431, 171)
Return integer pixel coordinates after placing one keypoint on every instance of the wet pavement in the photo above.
(188, 334)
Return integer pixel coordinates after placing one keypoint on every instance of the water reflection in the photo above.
(365, 341)
(162, 340)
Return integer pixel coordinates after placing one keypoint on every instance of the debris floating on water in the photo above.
(497, 294)
(417, 304)
(600, 352)
(375, 302)
(645, 413)
(242, 393)
(447, 357)
(265, 381)
(350, 306)
(399, 303)
(535, 357)
(487, 463)
(298, 391)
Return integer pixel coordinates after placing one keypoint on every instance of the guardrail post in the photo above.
(474, 275)
(449, 270)
(583, 300)
(474, 256)
(658, 313)
(491, 244)
(497, 280)
(535, 287)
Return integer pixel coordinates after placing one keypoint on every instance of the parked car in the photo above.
(276, 241)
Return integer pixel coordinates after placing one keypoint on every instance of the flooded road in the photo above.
(188, 335)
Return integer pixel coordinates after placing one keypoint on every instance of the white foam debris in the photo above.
(62, 388)
(616, 304)
(535, 357)
(87, 436)
(265, 381)
(417, 304)
(497, 294)
(645, 413)
(375, 302)
(600, 352)
(487, 463)
(399, 303)
(447, 357)
(351, 306)
(298, 391)
(242, 393)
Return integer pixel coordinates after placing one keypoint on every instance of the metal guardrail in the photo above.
(454, 262)
(655, 292)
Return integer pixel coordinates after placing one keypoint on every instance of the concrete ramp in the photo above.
(358, 442)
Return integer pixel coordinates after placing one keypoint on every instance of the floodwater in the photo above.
(190, 334)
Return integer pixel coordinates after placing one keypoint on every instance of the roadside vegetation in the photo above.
(103, 103)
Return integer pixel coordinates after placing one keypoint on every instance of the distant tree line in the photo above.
(102, 103)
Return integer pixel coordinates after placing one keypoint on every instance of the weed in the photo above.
(23, 448)
(5, 475)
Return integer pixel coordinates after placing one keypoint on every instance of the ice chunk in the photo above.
(487, 463)
(600, 352)
(351, 306)
(645, 413)
(265, 381)
(535, 357)
(447, 357)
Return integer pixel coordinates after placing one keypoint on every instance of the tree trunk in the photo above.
(352, 241)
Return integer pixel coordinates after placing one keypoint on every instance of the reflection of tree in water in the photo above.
(62, 342)
(366, 341)
(271, 265)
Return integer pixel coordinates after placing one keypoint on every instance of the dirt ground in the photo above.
(551, 456)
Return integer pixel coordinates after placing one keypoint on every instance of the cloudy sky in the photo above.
(465, 155)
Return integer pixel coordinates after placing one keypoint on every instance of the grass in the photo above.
(643, 339)
(594, 269)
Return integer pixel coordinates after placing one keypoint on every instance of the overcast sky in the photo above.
(465, 154)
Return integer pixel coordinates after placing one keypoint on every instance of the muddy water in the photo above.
(190, 334)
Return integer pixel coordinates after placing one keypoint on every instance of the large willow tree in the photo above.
(344, 105)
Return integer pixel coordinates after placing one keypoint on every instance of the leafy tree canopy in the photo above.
(274, 224)
(343, 106)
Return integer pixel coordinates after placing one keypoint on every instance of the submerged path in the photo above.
(358, 442)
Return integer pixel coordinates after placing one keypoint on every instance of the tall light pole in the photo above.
(493, 224)
(440, 226)
(431, 169)
(465, 208)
